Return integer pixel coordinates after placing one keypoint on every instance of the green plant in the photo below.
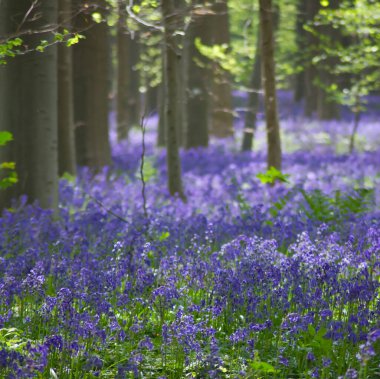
(272, 175)
(322, 207)
(7, 169)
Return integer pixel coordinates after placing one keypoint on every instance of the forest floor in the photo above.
(244, 280)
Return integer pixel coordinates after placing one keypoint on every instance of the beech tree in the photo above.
(197, 98)
(180, 12)
(327, 107)
(171, 67)
(253, 99)
(274, 158)
(66, 141)
(122, 72)
(221, 113)
(311, 89)
(28, 95)
(91, 85)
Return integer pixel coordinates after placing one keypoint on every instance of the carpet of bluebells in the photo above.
(244, 280)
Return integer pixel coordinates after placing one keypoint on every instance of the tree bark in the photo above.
(180, 10)
(221, 125)
(269, 84)
(134, 99)
(311, 89)
(301, 37)
(171, 67)
(122, 73)
(161, 135)
(327, 108)
(91, 89)
(30, 104)
(66, 141)
(253, 99)
(197, 98)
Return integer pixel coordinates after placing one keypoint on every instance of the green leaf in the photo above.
(97, 17)
(136, 9)
(164, 236)
(9, 180)
(74, 40)
(42, 46)
(263, 367)
(5, 137)
(70, 178)
(272, 175)
(8, 165)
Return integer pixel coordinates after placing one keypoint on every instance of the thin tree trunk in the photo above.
(221, 96)
(269, 84)
(253, 99)
(91, 91)
(354, 131)
(66, 141)
(197, 97)
(30, 82)
(122, 73)
(171, 67)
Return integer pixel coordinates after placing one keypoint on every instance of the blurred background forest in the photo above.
(77, 77)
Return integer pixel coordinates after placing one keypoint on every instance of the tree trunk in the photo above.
(180, 9)
(171, 67)
(91, 90)
(197, 97)
(253, 99)
(30, 104)
(301, 37)
(221, 97)
(327, 108)
(354, 131)
(269, 84)
(66, 141)
(122, 73)
(161, 135)
(134, 98)
(311, 89)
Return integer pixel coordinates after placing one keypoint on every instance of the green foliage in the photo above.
(261, 368)
(42, 46)
(69, 178)
(97, 17)
(9, 49)
(12, 338)
(220, 54)
(74, 39)
(12, 47)
(272, 175)
(5, 137)
(9, 177)
(359, 60)
(322, 207)
(315, 340)
(70, 38)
